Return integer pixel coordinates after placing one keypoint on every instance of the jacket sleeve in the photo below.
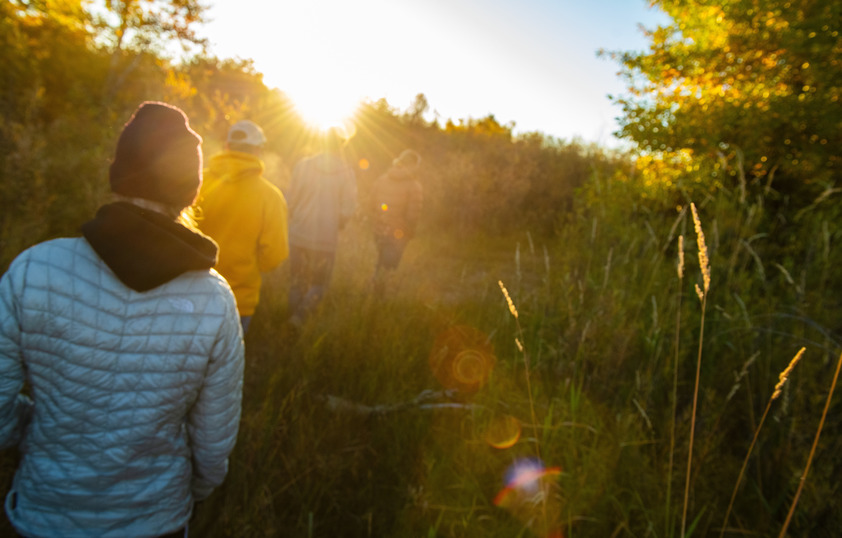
(215, 418)
(273, 243)
(15, 408)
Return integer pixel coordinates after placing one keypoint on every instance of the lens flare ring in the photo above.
(503, 432)
(462, 359)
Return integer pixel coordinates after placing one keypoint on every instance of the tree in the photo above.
(417, 109)
(138, 24)
(51, 124)
(749, 88)
(139, 27)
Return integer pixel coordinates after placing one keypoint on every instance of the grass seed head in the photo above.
(680, 256)
(704, 261)
(785, 374)
(512, 308)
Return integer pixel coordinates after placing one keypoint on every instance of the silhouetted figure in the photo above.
(245, 214)
(322, 198)
(397, 198)
(130, 349)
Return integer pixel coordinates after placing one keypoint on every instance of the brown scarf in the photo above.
(146, 249)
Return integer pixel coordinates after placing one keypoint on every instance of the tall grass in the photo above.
(775, 394)
(674, 399)
(704, 266)
(590, 371)
(803, 478)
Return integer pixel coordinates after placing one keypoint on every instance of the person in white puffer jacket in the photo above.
(121, 354)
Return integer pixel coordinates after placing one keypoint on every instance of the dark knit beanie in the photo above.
(158, 157)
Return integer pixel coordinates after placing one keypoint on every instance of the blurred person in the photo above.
(245, 214)
(121, 354)
(322, 199)
(397, 198)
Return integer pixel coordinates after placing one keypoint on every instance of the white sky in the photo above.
(531, 62)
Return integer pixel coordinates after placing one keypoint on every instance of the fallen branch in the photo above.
(425, 401)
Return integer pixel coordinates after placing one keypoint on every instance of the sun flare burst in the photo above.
(324, 107)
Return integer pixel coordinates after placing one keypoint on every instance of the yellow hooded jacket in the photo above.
(247, 217)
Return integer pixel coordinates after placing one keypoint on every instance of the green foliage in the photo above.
(49, 102)
(140, 24)
(750, 88)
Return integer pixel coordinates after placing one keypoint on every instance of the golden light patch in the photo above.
(503, 432)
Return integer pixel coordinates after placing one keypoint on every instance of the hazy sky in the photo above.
(531, 62)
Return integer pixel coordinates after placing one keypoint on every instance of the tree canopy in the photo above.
(749, 88)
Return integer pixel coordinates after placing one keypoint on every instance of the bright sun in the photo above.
(323, 105)
(324, 72)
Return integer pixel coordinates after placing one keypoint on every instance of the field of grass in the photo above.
(350, 430)
(403, 415)
(416, 459)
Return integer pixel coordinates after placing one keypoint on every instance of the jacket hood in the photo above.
(234, 165)
(146, 249)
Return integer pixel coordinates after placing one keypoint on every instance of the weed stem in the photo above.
(693, 419)
(812, 450)
(783, 377)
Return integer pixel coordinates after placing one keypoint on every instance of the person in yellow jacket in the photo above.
(245, 214)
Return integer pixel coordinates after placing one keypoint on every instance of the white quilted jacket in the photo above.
(136, 395)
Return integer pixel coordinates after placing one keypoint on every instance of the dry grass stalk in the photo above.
(700, 293)
(520, 346)
(675, 377)
(680, 257)
(511, 304)
(781, 381)
(704, 260)
(783, 376)
(812, 450)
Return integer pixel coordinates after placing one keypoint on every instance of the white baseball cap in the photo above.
(246, 132)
